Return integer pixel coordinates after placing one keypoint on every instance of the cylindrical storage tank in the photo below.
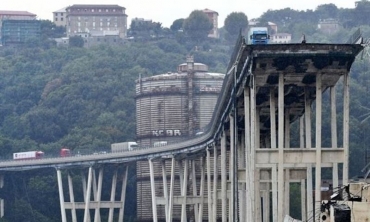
(171, 108)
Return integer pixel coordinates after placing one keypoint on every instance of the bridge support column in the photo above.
(201, 190)
(72, 198)
(112, 196)
(281, 148)
(152, 188)
(318, 144)
(247, 140)
(209, 194)
(61, 196)
(215, 181)
(303, 200)
(223, 178)
(1, 200)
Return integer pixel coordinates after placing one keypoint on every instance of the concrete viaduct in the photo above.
(241, 169)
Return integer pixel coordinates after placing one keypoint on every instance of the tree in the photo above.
(76, 41)
(327, 11)
(197, 26)
(177, 24)
(234, 23)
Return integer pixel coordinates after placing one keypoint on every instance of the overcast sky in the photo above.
(166, 11)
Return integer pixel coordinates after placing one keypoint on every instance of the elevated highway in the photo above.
(266, 89)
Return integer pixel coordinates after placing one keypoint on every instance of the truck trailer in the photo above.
(124, 146)
(28, 155)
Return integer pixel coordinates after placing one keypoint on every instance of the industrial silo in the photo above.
(171, 107)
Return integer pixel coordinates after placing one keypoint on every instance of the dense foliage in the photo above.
(84, 98)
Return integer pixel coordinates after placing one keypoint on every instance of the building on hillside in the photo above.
(213, 16)
(94, 38)
(19, 31)
(273, 28)
(328, 26)
(281, 38)
(87, 18)
(15, 15)
(60, 17)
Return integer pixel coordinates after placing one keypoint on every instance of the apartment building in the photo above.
(6, 15)
(60, 17)
(213, 16)
(87, 18)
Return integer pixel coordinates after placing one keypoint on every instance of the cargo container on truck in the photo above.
(124, 146)
(28, 155)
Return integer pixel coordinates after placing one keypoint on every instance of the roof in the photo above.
(15, 13)
(209, 11)
(61, 10)
(95, 6)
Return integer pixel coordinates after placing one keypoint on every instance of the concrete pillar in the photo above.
(184, 190)
(172, 185)
(61, 196)
(72, 198)
(165, 189)
(303, 200)
(335, 176)
(287, 193)
(215, 178)
(273, 118)
(201, 189)
(318, 141)
(209, 185)
(333, 105)
(223, 178)
(98, 196)
(254, 189)
(152, 188)
(281, 148)
(274, 193)
(345, 126)
(247, 145)
(309, 193)
(266, 205)
(84, 189)
(123, 195)
(195, 192)
(301, 132)
(1, 200)
(88, 196)
(232, 170)
(307, 117)
(112, 196)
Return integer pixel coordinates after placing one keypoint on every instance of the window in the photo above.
(56, 13)
(61, 19)
(61, 13)
(56, 19)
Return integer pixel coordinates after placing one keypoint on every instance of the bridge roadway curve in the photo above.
(298, 62)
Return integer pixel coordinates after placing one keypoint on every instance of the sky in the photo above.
(167, 11)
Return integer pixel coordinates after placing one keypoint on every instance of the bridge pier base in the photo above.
(93, 185)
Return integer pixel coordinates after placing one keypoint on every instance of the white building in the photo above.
(279, 38)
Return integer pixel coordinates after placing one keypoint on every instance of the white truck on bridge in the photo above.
(124, 146)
